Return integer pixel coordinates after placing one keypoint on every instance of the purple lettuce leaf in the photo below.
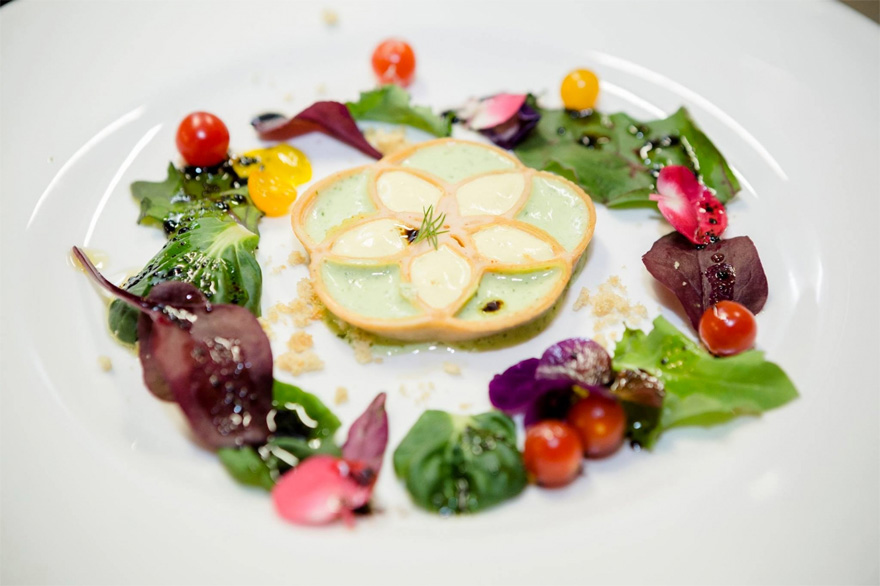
(701, 277)
(514, 390)
(368, 436)
(510, 133)
(331, 118)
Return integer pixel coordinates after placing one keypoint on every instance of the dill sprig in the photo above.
(431, 227)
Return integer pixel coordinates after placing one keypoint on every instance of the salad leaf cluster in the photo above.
(211, 224)
(455, 464)
(616, 158)
(701, 389)
(391, 103)
(304, 427)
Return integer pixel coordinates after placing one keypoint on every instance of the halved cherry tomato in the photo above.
(271, 193)
(579, 90)
(202, 139)
(394, 62)
(728, 328)
(600, 423)
(553, 453)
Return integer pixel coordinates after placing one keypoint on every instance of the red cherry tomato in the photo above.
(600, 423)
(728, 328)
(202, 139)
(394, 62)
(553, 453)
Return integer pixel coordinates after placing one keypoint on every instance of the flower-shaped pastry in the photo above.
(500, 246)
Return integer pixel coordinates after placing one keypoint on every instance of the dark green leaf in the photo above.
(390, 103)
(179, 198)
(215, 254)
(700, 388)
(614, 158)
(246, 466)
(304, 427)
(458, 464)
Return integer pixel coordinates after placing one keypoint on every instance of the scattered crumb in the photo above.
(105, 364)
(611, 309)
(676, 265)
(387, 142)
(451, 368)
(267, 327)
(303, 310)
(321, 89)
(288, 97)
(378, 360)
(297, 363)
(330, 17)
(277, 270)
(51, 159)
(299, 342)
(465, 406)
(296, 258)
(341, 396)
(402, 390)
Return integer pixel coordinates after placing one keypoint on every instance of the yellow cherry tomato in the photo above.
(271, 193)
(283, 159)
(579, 90)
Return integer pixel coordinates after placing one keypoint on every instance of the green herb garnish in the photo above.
(391, 104)
(430, 228)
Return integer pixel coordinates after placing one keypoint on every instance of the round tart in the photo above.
(448, 240)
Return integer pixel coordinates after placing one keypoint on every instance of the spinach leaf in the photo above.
(615, 158)
(459, 464)
(216, 254)
(304, 427)
(700, 388)
(390, 103)
(183, 196)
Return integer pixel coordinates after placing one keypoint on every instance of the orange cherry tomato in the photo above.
(579, 90)
(553, 453)
(600, 423)
(271, 193)
(394, 62)
(728, 328)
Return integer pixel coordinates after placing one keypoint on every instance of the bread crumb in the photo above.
(341, 396)
(611, 309)
(465, 406)
(303, 310)
(387, 142)
(267, 327)
(105, 364)
(277, 270)
(321, 89)
(299, 342)
(330, 17)
(288, 97)
(296, 258)
(676, 265)
(451, 368)
(297, 363)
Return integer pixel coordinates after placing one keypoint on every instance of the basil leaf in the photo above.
(458, 464)
(217, 255)
(246, 466)
(615, 158)
(390, 103)
(700, 388)
(181, 197)
(302, 414)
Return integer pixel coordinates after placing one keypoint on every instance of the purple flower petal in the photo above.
(368, 436)
(576, 361)
(516, 388)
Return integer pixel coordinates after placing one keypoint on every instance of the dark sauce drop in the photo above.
(493, 306)
(411, 234)
(717, 257)
(721, 278)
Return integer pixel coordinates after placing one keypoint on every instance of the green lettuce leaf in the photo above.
(700, 388)
(455, 464)
(180, 198)
(615, 158)
(390, 103)
(304, 427)
(216, 254)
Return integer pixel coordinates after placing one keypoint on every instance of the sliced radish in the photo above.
(691, 208)
(495, 110)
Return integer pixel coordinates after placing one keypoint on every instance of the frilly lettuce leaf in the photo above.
(391, 103)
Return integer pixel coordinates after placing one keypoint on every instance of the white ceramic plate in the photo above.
(99, 484)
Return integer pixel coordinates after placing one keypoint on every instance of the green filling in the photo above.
(501, 294)
(368, 290)
(456, 162)
(336, 203)
(557, 210)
